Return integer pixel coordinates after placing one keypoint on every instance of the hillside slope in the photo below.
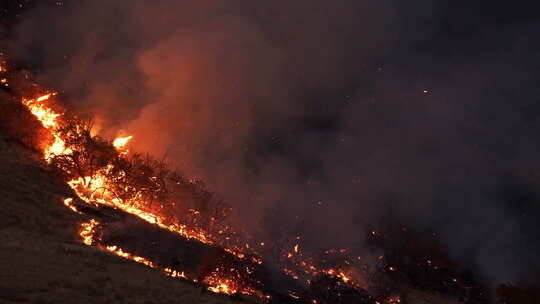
(43, 261)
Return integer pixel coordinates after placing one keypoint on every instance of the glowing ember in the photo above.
(69, 203)
(221, 284)
(44, 97)
(393, 300)
(174, 273)
(121, 142)
(88, 231)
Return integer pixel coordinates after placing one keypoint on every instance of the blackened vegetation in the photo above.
(332, 290)
(417, 259)
(519, 295)
(198, 260)
(169, 250)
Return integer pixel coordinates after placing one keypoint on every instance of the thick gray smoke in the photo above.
(332, 112)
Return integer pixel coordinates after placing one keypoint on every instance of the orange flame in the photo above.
(88, 231)
(92, 190)
(86, 188)
(121, 142)
(49, 119)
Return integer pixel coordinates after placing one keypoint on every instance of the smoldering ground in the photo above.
(318, 117)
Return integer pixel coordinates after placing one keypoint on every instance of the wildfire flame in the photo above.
(69, 203)
(216, 283)
(92, 189)
(86, 189)
(49, 119)
(120, 142)
(43, 113)
(119, 252)
(88, 232)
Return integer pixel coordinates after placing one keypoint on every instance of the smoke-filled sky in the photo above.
(330, 112)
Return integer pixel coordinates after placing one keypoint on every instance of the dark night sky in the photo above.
(281, 104)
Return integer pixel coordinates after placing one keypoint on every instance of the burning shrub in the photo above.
(86, 155)
(95, 166)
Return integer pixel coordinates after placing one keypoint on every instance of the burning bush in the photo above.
(97, 168)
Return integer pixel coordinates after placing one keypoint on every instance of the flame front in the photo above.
(87, 188)
(95, 188)
(43, 113)
(50, 120)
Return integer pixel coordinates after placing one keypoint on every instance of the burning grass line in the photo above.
(215, 282)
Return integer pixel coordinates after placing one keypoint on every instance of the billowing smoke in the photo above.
(324, 114)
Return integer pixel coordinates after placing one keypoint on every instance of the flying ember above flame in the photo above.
(121, 142)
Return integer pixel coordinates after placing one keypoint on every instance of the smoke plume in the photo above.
(326, 113)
